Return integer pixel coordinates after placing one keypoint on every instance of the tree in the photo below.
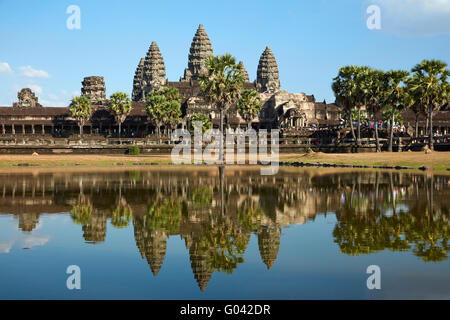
(360, 94)
(373, 88)
(222, 86)
(200, 117)
(431, 83)
(120, 106)
(164, 107)
(81, 110)
(249, 106)
(395, 97)
(121, 216)
(344, 86)
(415, 101)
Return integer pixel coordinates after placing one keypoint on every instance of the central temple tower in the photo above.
(200, 50)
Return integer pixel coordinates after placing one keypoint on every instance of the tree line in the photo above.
(424, 90)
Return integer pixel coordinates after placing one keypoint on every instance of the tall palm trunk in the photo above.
(358, 141)
(430, 112)
(351, 125)
(416, 128)
(221, 138)
(377, 140)
(120, 131)
(391, 134)
(81, 131)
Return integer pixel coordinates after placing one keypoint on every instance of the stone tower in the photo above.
(200, 49)
(28, 221)
(27, 99)
(267, 78)
(269, 244)
(154, 72)
(246, 77)
(94, 89)
(137, 82)
(152, 244)
(95, 231)
(200, 264)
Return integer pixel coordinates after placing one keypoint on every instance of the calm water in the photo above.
(196, 234)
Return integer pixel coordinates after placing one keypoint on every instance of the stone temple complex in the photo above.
(290, 112)
(280, 110)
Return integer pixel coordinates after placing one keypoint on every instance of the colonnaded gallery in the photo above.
(281, 109)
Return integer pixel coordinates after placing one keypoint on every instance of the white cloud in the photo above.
(415, 17)
(31, 241)
(29, 72)
(4, 67)
(35, 88)
(5, 247)
(53, 96)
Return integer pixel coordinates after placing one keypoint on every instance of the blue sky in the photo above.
(310, 40)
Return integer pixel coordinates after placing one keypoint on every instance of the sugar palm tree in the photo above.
(164, 107)
(395, 97)
(416, 101)
(344, 87)
(222, 85)
(81, 110)
(373, 89)
(249, 106)
(120, 106)
(203, 119)
(431, 82)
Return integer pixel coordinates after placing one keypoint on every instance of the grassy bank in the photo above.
(439, 161)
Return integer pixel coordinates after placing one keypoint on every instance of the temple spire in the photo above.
(137, 81)
(269, 244)
(245, 73)
(154, 72)
(200, 49)
(267, 78)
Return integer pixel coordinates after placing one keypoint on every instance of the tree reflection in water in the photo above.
(215, 212)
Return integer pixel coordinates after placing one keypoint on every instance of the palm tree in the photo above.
(203, 119)
(395, 97)
(173, 114)
(81, 110)
(222, 86)
(164, 107)
(431, 82)
(415, 101)
(344, 87)
(360, 94)
(249, 106)
(120, 106)
(373, 85)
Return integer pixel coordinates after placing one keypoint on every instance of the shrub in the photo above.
(134, 150)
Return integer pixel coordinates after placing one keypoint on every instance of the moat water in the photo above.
(204, 234)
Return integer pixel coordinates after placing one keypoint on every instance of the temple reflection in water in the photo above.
(217, 214)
